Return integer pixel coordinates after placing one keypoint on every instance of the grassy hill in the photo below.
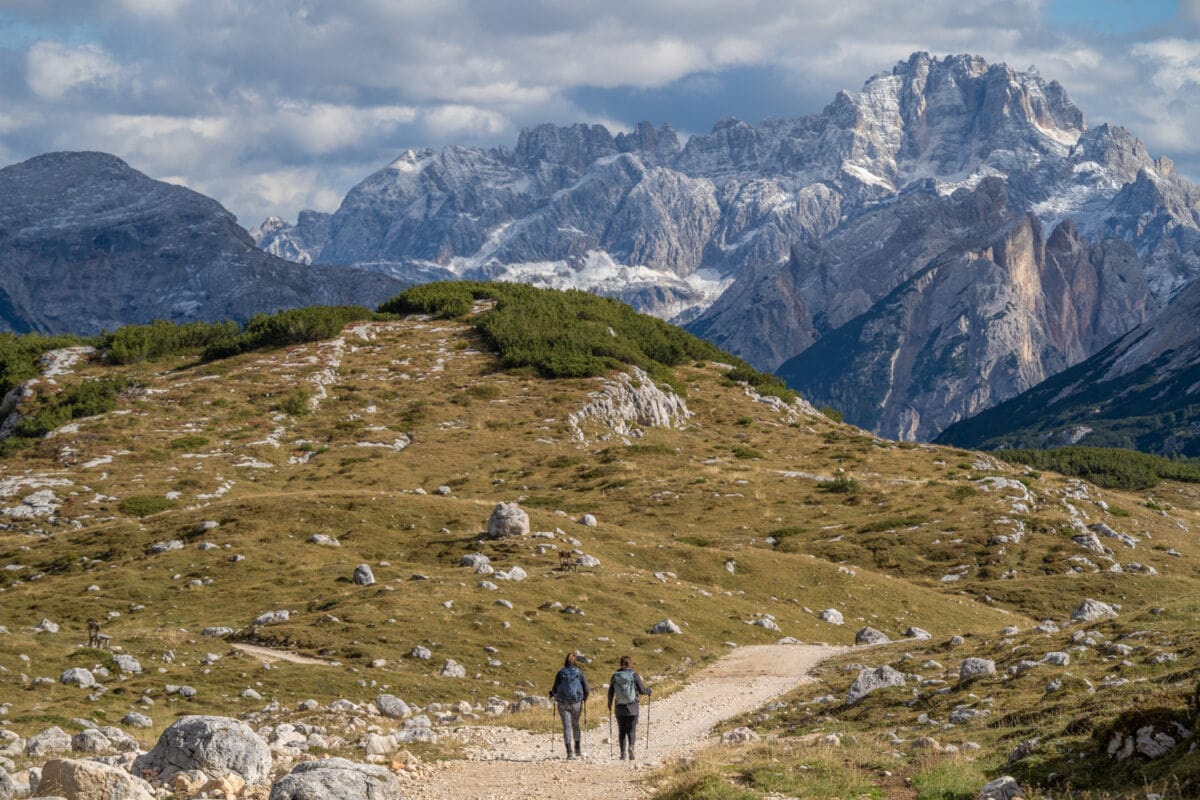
(397, 436)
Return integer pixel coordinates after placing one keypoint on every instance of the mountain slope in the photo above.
(232, 501)
(1141, 392)
(87, 243)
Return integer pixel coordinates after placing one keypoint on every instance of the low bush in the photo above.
(144, 505)
(1108, 467)
(85, 400)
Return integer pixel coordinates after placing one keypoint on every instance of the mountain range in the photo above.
(937, 243)
(940, 242)
(88, 243)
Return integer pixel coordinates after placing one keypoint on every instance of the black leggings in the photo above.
(627, 732)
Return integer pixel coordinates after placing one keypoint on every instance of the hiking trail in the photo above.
(509, 764)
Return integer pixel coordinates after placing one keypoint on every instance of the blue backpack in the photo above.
(570, 687)
(624, 687)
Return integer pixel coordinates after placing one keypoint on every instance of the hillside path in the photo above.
(509, 764)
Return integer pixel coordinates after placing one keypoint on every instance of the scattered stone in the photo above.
(219, 632)
(917, 633)
(88, 780)
(832, 616)
(1023, 750)
(588, 561)
(452, 669)
(1092, 610)
(972, 668)
(666, 626)
(507, 520)
(48, 742)
(337, 779)
(589, 520)
(267, 617)
(442, 490)
(1005, 788)
(421, 652)
(46, 626)
(869, 635)
(872, 680)
(513, 573)
(78, 676)
(216, 746)
(324, 539)
(127, 663)
(165, 547)
(1057, 658)
(740, 735)
(474, 560)
(392, 707)
(956, 641)
(363, 575)
(136, 720)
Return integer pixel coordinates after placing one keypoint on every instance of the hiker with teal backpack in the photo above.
(624, 688)
(570, 693)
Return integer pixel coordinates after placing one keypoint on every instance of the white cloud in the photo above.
(451, 121)
(154, 8)
(53, 68)
(321, 128)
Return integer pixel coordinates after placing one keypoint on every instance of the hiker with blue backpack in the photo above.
(624, 688)
(570, 693)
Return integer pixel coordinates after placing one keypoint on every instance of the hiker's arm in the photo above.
(554, 688)
(641, 687)
(612, 689)
(587, 690)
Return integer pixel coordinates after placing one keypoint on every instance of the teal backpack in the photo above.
(624, 687)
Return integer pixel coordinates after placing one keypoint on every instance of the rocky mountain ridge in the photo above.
(779, 234)
(87, 243)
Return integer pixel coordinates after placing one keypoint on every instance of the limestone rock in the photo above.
(48, 742)
(872, 680)
(78, 676)
(392, 707)
(91, 780)
(337, 779)
(507, 520)
(972, 668)
(740, 735)
(666, 626)
(832, 616)
(363, 575)
(1004, 788)
(216, 746)
(869, 635)
(452, 669)
(1092, 610)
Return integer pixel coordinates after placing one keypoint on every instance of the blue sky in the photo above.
(279, 105)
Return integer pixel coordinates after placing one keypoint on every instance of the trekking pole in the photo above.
(553, 734)
(585, 723)
(647, 724)
(610, 752)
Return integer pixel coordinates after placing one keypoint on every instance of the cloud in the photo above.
(277, 102)
(54, 68)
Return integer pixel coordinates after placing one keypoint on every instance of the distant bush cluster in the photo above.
(85, 400)
(1109, 467)
(160, 339)
(572, 334)
(19, 355)
(294, 326)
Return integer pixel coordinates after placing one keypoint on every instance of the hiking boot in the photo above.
(578, 754)
(622, 755)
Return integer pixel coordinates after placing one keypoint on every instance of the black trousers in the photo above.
(627, 732)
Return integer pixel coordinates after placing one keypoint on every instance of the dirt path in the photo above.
(507, 764)
(271, 655)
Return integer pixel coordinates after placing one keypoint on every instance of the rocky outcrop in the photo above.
(627, 403)
(507, 520)
(87, 243)
(872, 680)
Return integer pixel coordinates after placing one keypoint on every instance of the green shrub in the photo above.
(295, 403)
(293, 326)
(831, 412)
(839, 485)
(144, 505)
(19, 355)
(447, 300)
(744, 421)
(85, 400)
(134, 343)
(188, 442)
(741, 451)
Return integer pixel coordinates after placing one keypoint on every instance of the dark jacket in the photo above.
(627, 709)
(563, 676)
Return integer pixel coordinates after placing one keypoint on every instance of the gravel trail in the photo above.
(509, 764)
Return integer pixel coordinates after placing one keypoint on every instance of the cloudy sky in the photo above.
(271, 106)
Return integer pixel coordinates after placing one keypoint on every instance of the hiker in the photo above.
(624, 687)
(570, 692)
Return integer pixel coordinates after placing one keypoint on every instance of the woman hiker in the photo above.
(570, 692)
(624, 687)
